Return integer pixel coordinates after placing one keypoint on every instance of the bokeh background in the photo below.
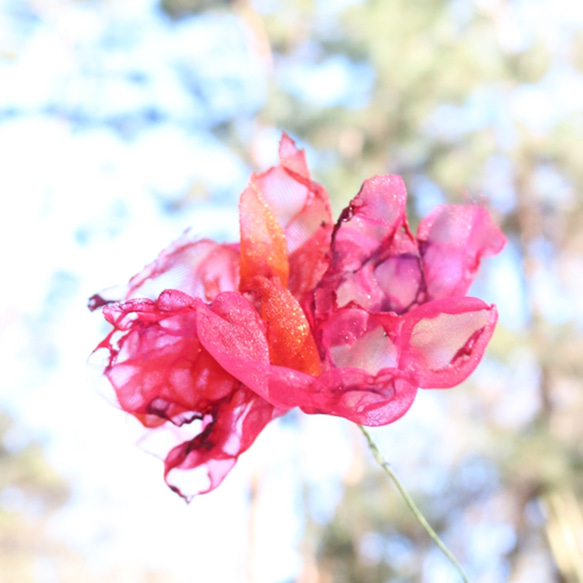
(123, 122)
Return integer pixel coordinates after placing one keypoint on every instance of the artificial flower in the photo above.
(347, 319)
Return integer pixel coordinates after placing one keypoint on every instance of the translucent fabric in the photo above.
(210, 342)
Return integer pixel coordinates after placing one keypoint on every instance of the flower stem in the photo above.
(413, 507)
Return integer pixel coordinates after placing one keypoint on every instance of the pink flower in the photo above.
(346, 320)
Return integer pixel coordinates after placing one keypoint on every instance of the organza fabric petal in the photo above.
(162, 374)
(453, 239)
(302, 208)
(200, 268)
(199, 465)
(375, 260)
(442, 342)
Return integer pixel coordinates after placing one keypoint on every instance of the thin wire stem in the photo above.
(413, 507)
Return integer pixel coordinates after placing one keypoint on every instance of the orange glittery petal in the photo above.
(289, 337)
(263, 245)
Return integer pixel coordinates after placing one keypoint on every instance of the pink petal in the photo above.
(371, 220)
(154, 354)
(310, 235)
(233, 323)
(200, 268)
(362, 383)
(355, 338)
(360, 397)
(291, 158)
(162, 374)
(232, 331)
(200, 465)
(453, 239)
(443, 341)
(375, 260)
(400, 280)
(302, 208)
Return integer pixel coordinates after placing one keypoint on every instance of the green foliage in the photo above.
(180, 8)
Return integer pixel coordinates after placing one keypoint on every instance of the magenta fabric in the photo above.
(348, 319)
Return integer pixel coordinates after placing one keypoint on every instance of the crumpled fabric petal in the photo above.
(163, 375)
(198, 267)
(211, 341)
(453, 240)
(302, 208)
